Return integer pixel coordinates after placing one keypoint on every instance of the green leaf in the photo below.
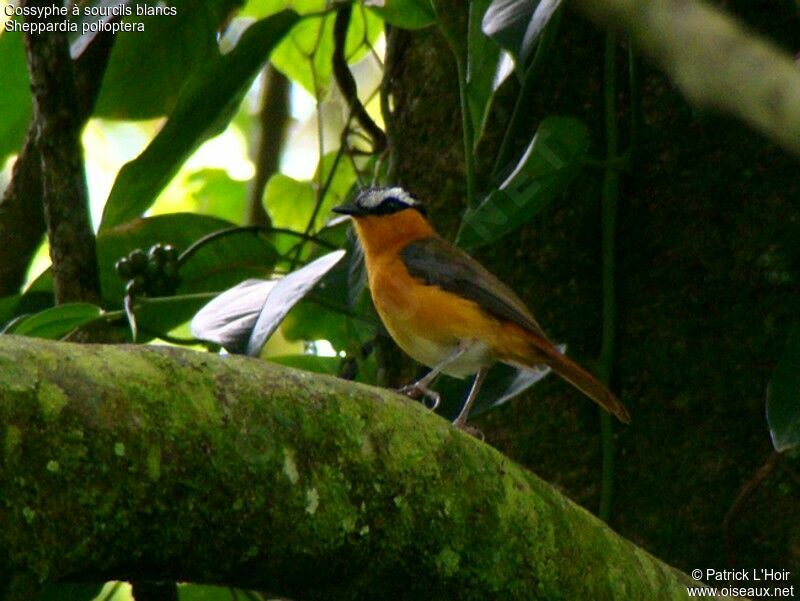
(289, 202)
(264, 8)
(515, 25)
(16, 106)
(147, 69)
(216, 194)
(160, 315)
(405, 14)
(484, 61)
(70, 592)
(205, 105)
(783, 396)
(217, 265)
(306, 55)
(549, 164)
(56, 322)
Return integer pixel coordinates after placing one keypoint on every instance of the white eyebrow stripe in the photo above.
(369, 199)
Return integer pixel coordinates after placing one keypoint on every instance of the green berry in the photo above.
(138, 260)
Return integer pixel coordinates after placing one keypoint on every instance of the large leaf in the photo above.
(516, 24)
(484, 61)
(156, 316)
(69, 592)
(783, 396)
(306, 55)
(405, 14)
(286, 293)
(206, 104)
(216, 266)
(549, 164)
(16, 107)
(56, 322)
(147, 69)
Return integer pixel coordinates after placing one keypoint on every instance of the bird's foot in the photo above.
(471, 430)
(418, 391)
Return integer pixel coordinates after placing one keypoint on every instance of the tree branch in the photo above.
(57, 125)
(134, 462)
(22, 224)
(713, 60)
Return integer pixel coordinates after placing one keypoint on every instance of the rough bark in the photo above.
(22, 224)
(57, 125)
(129, 462)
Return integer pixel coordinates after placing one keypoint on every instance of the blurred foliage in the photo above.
(178, 71)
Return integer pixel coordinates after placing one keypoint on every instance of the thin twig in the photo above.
(609, 233)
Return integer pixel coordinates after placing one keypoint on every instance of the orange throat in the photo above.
(381, 234)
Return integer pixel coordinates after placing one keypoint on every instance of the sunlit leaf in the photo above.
(516, 24)
(229, 319)
(549, 164)
(206, 103)
(287, 292)
(405, 14)
(180, 230)
(783, 396)
(56, 322)
(16, 107)
(215, 193)
(306, 55)
(289, 202)
(264, 8)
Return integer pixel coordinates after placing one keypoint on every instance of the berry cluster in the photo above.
(154, 273)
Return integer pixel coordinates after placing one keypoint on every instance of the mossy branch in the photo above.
(134, 462)
(713, 60)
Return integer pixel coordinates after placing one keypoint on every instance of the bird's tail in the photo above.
(539, 350)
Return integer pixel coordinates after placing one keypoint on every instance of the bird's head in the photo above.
(380, 202)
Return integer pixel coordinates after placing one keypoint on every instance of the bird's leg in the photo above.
(461, 421)
(420, 387)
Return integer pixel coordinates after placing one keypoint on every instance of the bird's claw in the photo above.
(416, 391)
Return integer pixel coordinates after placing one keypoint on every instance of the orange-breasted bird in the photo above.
(445, 309)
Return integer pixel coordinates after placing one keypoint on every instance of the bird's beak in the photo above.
(347, 208)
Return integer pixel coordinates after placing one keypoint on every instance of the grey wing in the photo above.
(436, 262)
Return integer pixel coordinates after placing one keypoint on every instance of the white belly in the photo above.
(476, 356)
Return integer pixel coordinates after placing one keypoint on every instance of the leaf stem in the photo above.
(466, 125)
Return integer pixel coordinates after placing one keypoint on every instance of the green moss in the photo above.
(51, 399)
(154, 463)
(13, 438)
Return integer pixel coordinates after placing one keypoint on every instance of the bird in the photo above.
(445, 309)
